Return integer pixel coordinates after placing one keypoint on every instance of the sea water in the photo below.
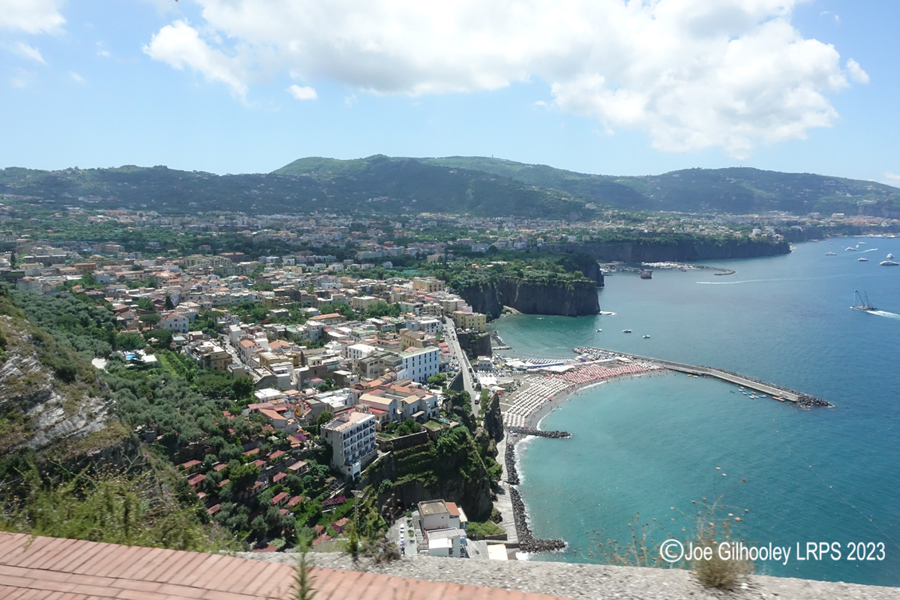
(656, 445)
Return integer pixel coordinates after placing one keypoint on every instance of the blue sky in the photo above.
(599, 86)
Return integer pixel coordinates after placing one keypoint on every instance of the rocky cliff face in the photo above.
(529, 298)
(475, 344)
(35, 409)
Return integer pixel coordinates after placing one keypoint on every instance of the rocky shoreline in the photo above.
(527, 541)
(540, 433)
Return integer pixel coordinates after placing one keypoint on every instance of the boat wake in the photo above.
(772, 280)
(884, 313)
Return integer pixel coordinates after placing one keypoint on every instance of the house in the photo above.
(176, 323)
(419, 364)
(352, 439)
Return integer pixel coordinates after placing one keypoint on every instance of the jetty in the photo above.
(779, 393)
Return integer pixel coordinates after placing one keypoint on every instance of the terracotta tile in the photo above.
(98, 554)
(54, 586)
(235, 577)
(32, 552)
(336, 581)
(14, 571)
(47, 574)
(139, 595)
(79, 555)
(187, 568)
(116, 563)
(220, 595)
(209, 562)
(381, 586)
(217, 571)
(8, 592)
(357, 587)
(180, 591)
(151, 561)
(16, 581)
(140, 558)
(261, 579)
(135, 585)
(171, 564)
(62, 548)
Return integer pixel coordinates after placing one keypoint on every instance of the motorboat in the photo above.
(862, 259)
(599, 330)
(626, 331)
(646, 337)
(888, 263)
(831, 254)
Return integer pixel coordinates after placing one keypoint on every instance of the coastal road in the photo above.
(461, 358)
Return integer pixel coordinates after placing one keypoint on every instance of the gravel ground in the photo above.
(589, 582)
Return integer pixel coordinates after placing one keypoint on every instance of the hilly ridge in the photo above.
(453, 185)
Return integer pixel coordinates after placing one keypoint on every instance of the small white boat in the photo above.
(861, 244)
(888, 263)
(753, 396)
(626, 331)
(646, 337)
(599, 330)
(889, 256)
(850, 249)
(862, 259)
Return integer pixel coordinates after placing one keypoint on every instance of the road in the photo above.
(461, 359)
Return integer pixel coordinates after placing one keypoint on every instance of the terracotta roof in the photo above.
(43, 568)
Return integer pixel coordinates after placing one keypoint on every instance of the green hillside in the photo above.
(734, 190)
(458, 185)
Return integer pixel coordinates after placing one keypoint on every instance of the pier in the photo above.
(779, 393)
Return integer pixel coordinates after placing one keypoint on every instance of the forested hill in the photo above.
(738, 190)
(373, 185)
(460, 185)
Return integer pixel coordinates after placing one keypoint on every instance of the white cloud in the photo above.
(857, 75)
(303, 93)
(31, 16)
(29, 52)
(179, 45)
(691, 73)
(892, 178)
(76, 77)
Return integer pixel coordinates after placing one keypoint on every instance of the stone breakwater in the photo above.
(512, 474)
(540, 432)
(527, 541)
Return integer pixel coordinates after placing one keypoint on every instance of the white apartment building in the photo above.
(352, 439)
(419, 364)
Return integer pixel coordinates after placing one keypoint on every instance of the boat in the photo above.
(626, 331)
(889, 256)
(861, 244)
(753, 396)
(863, 302)
(646, 337)
(862, 259)
(645, 274)
(888, 263)
(831, 254)
(599, 330)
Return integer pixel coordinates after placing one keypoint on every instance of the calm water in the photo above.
(648, 445)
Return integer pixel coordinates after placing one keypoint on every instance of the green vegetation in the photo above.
(128, 508)
(478, 530)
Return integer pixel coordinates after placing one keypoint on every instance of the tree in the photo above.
(130, 341)
(144, 304)
(150, 319)
(243, 476)
(324, 418)
(259, 528)
(242, 387)
(163, 337)
(169, 304)
(88, 280)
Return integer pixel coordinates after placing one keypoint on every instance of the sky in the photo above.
(614, 87)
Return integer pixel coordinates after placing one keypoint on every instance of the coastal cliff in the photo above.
(572, 299)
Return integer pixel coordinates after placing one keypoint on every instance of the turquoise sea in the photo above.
(651, 445)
